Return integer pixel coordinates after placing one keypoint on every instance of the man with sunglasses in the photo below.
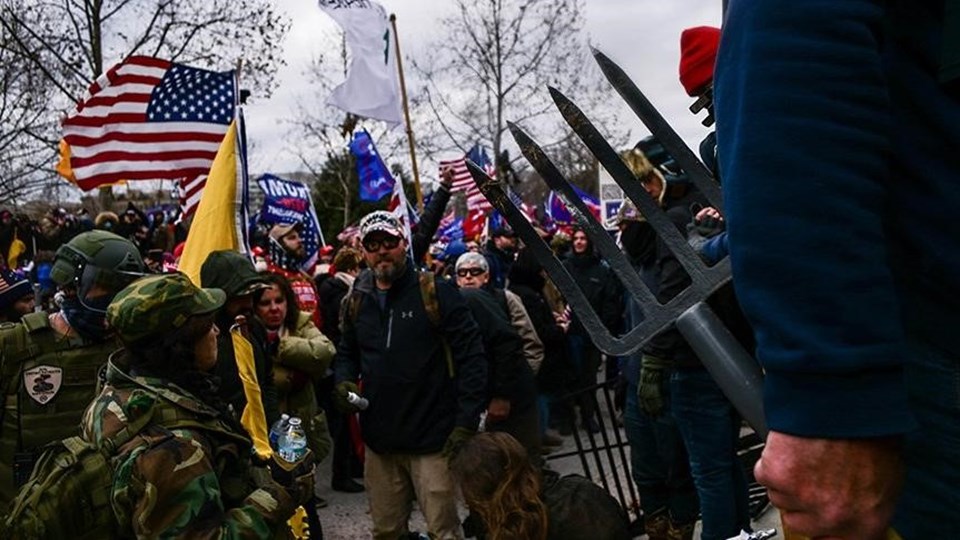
(50, 362)
(510, 341)
(424, 379)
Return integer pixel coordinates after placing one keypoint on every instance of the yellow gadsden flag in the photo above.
(17, 247)
(215, 223)
(254, 419)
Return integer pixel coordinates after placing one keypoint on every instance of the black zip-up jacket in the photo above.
(509, 376)
(601, 287)
(399, 355)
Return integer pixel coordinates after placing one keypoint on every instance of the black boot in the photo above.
(346, 485)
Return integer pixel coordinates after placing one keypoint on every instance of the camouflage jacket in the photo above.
(190, 482)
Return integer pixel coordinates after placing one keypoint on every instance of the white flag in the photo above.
(372, 89)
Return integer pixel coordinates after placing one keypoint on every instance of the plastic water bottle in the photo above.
(277, 429)
(358, 401)
(293, 443)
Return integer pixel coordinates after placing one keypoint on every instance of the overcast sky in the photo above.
(643, 36)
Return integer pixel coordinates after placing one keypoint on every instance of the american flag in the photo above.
(190, 190)
(147, 118)
(10, 280)
(462, 181)
(557, 209)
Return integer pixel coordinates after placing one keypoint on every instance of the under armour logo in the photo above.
(406, 314)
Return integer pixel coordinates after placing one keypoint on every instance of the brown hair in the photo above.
(499, 483)
(347, 259)
(282, 283)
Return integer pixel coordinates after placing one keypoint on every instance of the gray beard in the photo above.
(391, 274)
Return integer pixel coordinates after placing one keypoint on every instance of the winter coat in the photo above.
(508, 374)
(398, 353)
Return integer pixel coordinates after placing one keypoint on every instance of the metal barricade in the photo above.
(604, 456)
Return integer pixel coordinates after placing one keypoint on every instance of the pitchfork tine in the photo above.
(648, 114)
(598, 235)
(659, 318)
(611, 161)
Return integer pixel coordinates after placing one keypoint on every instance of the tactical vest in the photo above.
(69, 494)
(47, 382)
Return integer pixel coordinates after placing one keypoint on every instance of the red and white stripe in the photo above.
(462, 181)
(190, 191)
(111, 140)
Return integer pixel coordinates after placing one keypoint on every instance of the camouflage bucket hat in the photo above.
(156, 305)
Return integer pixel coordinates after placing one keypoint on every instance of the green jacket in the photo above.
(308, 351)
(183, 483)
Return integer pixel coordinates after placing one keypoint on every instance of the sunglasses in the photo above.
(374, 244)
(474, 272)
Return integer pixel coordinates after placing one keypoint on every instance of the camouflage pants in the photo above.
(394, 480)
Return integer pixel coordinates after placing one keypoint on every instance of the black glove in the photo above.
(340, 397)
(650, 391)
(296, 478)
(455, 441)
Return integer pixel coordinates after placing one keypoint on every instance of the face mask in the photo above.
(88, 323)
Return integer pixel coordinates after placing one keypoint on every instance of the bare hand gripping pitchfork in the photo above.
(735, 371)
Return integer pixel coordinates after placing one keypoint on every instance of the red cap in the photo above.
(698, 54)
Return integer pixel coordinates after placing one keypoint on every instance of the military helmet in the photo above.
(159, 304)
(99, 263)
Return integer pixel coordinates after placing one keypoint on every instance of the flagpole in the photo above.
(406, 115)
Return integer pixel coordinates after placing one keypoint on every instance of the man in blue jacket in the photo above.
(838, 127)
(425, 381)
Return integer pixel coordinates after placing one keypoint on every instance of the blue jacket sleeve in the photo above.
(804, 126)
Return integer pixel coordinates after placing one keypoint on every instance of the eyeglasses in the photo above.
(374, 244)
(473, 272)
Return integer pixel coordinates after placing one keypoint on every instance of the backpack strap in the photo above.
(35, 321)
(350, 307)
(428, 291)
(129, 431)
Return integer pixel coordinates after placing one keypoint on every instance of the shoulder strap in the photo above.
(351, 307)
(110, 444)
(170, 417)
(428, 290)
(35, 321)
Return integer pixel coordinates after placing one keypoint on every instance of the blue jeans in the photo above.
(710, 429)
(930, 504)
(658, 462)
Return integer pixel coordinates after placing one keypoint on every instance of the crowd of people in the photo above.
(432, 353)
(429, 371)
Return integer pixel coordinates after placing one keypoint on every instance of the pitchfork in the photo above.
(737, 373)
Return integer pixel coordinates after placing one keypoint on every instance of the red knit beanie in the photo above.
(698, 54)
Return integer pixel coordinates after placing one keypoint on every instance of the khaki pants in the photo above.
(392, 482)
